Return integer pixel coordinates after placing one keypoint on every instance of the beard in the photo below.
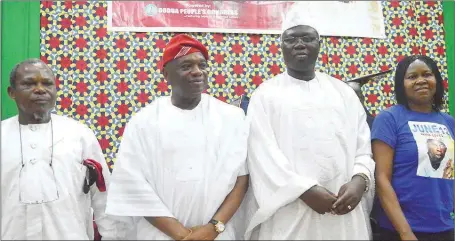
(40, 116)
(435, 161)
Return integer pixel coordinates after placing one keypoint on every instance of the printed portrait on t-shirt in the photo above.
(435, 147)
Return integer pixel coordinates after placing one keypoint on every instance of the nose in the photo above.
(300, 44)
(421, 80)
(196, 71)
(39, 89)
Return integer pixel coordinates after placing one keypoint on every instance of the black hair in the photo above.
(13, 74)
(400, 73)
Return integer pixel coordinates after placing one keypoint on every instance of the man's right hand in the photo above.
(170, 226)
(319, 199)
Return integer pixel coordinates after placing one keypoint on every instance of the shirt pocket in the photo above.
(66, 149)
(68, 165)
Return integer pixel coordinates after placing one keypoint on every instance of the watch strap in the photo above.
(219, 226)
(367, 180)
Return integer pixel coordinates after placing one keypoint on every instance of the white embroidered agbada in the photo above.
(306, 133)
(68, 215)
(181, 164)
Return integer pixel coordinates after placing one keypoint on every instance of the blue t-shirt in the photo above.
(422, 166)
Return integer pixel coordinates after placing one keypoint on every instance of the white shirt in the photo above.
(425, 168)
(68, 214)
(306, 133)
(179, 163)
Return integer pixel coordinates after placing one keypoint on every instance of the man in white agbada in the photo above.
(43, 171)
(182, 160)
(309, 152)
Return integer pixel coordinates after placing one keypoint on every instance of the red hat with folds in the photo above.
(182, 45)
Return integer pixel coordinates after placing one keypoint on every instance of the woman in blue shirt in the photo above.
(413, 148)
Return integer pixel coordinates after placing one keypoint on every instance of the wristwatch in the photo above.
(367, 180)
(219, 226)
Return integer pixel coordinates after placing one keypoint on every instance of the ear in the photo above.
(11, 92)
(166, 74)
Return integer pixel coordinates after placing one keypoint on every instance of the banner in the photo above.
(345, 18)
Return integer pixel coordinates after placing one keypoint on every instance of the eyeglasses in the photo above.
(50, 195)
(305, 39)
(54, 195)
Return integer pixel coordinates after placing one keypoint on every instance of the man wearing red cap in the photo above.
(181, 167)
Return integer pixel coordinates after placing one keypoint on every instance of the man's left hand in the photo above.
(349, 196)
(205, 232)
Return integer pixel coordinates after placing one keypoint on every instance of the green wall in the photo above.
(20, 39)
(20, 33)
(449, 22)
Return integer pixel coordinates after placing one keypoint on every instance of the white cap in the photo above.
(305, 13)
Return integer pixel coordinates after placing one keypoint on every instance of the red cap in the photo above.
(182, 45)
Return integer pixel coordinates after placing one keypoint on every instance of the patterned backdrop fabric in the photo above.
(105, 77)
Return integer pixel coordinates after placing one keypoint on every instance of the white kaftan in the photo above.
(69, 214)
(181, 164)
(306, 133)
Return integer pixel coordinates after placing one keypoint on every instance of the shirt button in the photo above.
(33, 128)
(33, 146)
(33, 160)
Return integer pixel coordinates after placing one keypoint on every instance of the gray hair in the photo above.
(13, 74)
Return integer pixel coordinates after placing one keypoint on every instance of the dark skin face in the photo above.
(300, 48)
(188, 76)
(420, 86)
(35, 93)
(436, 152)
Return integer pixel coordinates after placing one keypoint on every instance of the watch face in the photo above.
(220, 227)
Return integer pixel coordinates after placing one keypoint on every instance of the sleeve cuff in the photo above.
(243, 171)
(137, 210)
(359, 168)
(384, 139)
